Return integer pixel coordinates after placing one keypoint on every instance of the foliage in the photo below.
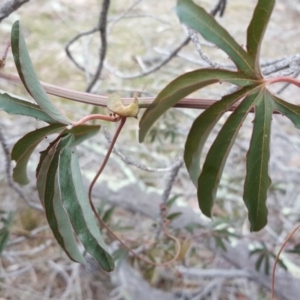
(263, 258)
(59, 181)
(5, 228)
(252, 94)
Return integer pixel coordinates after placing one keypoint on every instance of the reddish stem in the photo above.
(3, 59)
(283, 79)
(123, 120)
(96, 117)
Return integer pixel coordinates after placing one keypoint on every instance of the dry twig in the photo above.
(103, 48)
(9, 6)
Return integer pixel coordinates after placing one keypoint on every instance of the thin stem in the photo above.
(102, 223)
(73, 40)
(286, 85)
(123, 14)
(291, 80)
(144, 102)
(123, 120)
(195, 39)
(3, 59)
(277, 258)
(154, 68)
(101, 100)
(96, 117)
(129, 161)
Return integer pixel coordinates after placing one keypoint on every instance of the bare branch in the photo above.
(165, 196)
(219, 8)
(121, 16)
(103, 48)
(172, 54)
(29, 252)
(9, 6)
(191, 59)
(229, 273)
(15, 273)
(73, 40)
(194, 37)
(286, 66)
(214, 286)
(130, 161)
(134, 16)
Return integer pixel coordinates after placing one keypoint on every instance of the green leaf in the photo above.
(267, 265)
(83, 132)
(15, 106)
(24, 147)
(192, 226)
(259, 261)
(4, 237)
(280, 261)
(213, 166)
(46, 157)
(77, 205)
(172, 200)
(80, 133)
(108, 214)
(119, 255)
(29, 77)
(257, 179)
(57, 217)
(183, 86)
(256, 30)
(202, 127)
(289, 110)
(220, 243)
(173, 216)
(296, 249)
(4, 231)
(197, 18)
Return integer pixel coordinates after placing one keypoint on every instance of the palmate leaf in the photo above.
(183, 86)
(197, 18)
(29, 77)
(66, 203)
(49, 191)
(288, 109)
(256, 30)
(202, 127)
(83, 132)
(210, 176)
(24, 147)
(42, 169)
(77, 205)
(15, 106)
(253, 95)
(4, 237)
(257, 179)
